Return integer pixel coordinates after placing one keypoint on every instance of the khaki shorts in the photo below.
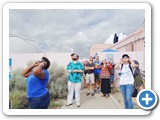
(90, 78)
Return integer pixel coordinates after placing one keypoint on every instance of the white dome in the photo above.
(121, 36)
(110, 39)
(20, 45)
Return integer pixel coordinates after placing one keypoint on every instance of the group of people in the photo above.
(98, 76)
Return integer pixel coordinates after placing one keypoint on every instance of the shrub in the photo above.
(12, 85)
(17, 81)
(18, 99)
(58, 89)
(57, 85)
(58, 82)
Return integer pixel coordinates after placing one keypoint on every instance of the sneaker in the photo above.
(68, 104)
(87, 94)
(94, 90)
(99, 90)
(92, 94)
(78, 105)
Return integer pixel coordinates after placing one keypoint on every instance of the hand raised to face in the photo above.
(120, 61)
(45, 63)
(36, 63)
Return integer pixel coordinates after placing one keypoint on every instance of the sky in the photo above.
(72, 30)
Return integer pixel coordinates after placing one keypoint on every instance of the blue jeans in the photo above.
(112, 78)
(127, 91)
(40, 103)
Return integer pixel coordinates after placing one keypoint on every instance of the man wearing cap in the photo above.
(75, 70)
(37, 79)
(126, 65)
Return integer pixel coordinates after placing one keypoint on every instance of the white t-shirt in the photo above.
(126, 75)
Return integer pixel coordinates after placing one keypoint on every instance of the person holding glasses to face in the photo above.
(37, 79)
(126, 65)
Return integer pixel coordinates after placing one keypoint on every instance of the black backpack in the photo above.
(129, 68)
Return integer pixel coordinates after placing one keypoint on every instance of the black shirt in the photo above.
(90, 65)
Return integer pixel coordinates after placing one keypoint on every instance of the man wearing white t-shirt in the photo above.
(126, 80)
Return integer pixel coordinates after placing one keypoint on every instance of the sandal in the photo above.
(107, 96)
(103, 95)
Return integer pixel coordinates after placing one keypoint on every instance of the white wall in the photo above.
(21, 60)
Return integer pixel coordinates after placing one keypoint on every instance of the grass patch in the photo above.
(55, 104)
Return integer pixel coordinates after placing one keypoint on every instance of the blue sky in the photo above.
(73, 30)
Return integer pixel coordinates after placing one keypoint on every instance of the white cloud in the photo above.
(72, 30)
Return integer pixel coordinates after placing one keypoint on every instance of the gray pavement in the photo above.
(94, 102)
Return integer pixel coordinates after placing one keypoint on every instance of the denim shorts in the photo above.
(40, 103)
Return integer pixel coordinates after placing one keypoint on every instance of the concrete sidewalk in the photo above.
(95, 102)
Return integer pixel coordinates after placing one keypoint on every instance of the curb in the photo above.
(117, 104)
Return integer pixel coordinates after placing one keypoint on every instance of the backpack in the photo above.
(129, 68)
(135, 93)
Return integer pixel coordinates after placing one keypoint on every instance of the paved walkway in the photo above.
(95, 102)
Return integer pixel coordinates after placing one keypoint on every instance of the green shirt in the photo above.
(75, 77)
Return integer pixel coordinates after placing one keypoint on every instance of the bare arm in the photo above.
(68, 71)
(80, 71)
(133, 64)
(117, 65)
(38, 71)
(97, 66)
(86, 68)
(91, 68)
(28, 71)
